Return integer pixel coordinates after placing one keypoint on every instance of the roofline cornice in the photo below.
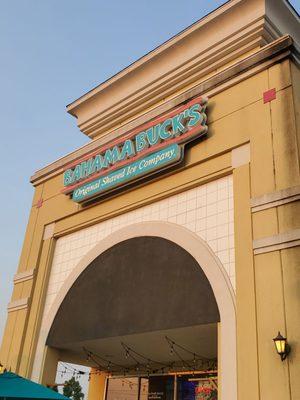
(187, 74)
(239, 71)
(153, 53)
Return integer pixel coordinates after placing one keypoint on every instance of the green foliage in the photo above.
(73, 390)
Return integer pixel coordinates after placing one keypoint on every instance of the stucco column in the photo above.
(48, 374)
(97, 386)
(247, 357)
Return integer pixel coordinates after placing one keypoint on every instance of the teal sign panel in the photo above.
(158, 160)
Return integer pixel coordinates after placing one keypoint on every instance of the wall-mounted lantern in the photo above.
(281, 346)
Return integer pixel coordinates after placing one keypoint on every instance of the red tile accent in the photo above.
(39, 203)
(269, 95)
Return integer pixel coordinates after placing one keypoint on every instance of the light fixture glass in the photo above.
(281, 346)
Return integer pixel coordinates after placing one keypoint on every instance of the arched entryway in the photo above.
(166, 279)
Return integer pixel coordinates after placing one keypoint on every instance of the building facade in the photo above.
(173, 235)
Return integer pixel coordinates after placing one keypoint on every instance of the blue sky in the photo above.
(52, 52)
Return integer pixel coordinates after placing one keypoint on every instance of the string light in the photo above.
(175, 348)
(149, 365)
(179, 346)
(92, 358)
(110, 364)
(74, 371)
(132, 353)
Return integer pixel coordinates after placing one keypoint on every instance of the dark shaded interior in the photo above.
(140, 285)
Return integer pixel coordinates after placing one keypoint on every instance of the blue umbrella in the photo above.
(13, 386)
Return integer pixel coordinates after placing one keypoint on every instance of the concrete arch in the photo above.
(210, 265)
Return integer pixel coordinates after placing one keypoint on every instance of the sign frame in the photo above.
(183, 124)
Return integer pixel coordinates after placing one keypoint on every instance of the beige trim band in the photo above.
(277, 242)
(49, 231)
(24, 276)
(275, 199)
(240, 155)
(18, 304)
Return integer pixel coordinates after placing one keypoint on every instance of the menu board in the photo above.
(161, 388)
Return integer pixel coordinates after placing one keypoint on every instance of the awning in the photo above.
(13, 386)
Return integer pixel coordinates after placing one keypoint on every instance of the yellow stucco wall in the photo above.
(266, 295)
(97, 385)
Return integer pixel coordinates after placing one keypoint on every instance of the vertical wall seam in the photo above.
(295, 119)
(255, 291)
(272, 134)
(285, 321)
(283, 288)
(283, 301)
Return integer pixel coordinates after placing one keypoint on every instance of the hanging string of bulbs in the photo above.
(184, 359)
(173, 345)
(109, 366)
(68, 369)
(75, 372)
(129, 352)
(197, 359)
(112, 367)
(144, 365)
(132, 383)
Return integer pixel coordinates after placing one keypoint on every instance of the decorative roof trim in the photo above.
(153, 53)
(239, 71)
(187, 74)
